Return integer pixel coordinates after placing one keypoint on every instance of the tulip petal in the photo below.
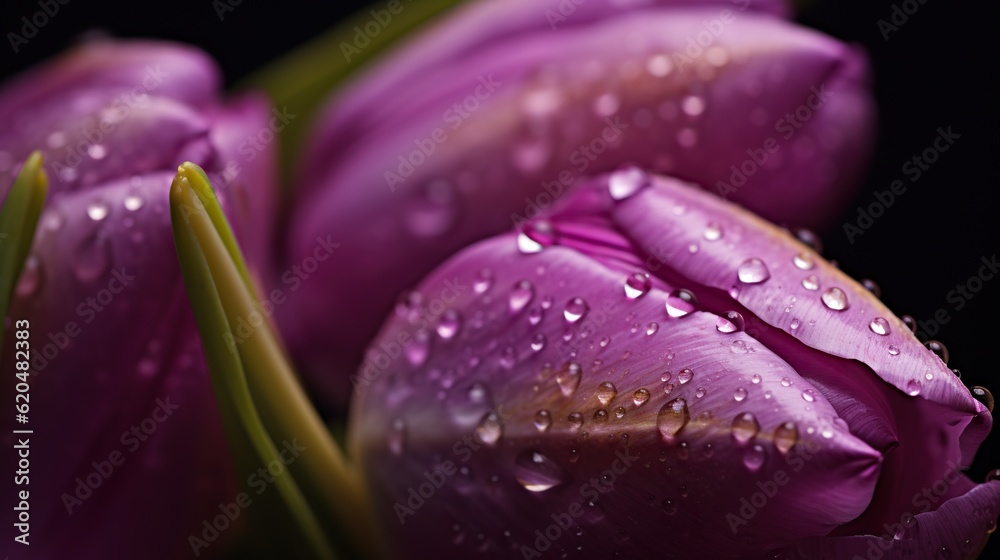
(542, 104)
(501, 346)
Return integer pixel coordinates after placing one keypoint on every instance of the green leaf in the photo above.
(268, 398)
(304, 78)
(18, 219)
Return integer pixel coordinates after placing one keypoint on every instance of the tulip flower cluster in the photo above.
(530, 258)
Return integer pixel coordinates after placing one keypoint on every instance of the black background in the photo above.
(937, 70)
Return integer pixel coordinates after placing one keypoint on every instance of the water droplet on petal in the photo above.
(754, 457)
(576, 420)
(756, 379)
(490, 429)
(600, 415)
(418, 350)
(713, 231)
(745, 427)
(938, 349)
(983, 395)
(97, 211)
(575, 309)
(538, 473)
(809, 239)
(652, 328)
(672, 418)
(835, 299)
(568, 378)
(624, 183)
(535, 236)
(913, 387)
(92, 259)
(810, 282)
(483, 281)
(872, 287)
(785, 437)
(449, 324)
(538, 342)
(543, 420)
(637, 285)
(32, 277)
(640, 396)
(521, 296)
(879, 326)
(910, 322)
(397, 436)
(731, 322)
(809, 395)
(508, 357)
(620, 412)
(700, 392)
(740, 394)
(680, 303)
(738, 347)
(803, 261)
(606, 392)
(685, 375)
(894, 350)
(753, 271)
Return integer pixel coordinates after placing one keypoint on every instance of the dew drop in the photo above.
(786, 436)
(700, 392)
(913, 387)
(803, 261)
(713, 232)
(731, 322)
(637, 285)
(835, 299)
(397, 436)
(97, 211)
(983, 395)
(604, 342)
(745, 427)
(538, 473)
(938, 349)
(543, 420)
(600, 415)
(893, 350)
(568, 378)
(449, 324)
(606, 392)
(809, 239)
(31, 278)
(620, 412)
(483, 281)
(753, 271)
(535, 236)
(738, 347)
(575, 309)
(680, 303)
(879, 326)
(809, 395)
(810, 282)
(538, 342)
(508, 357)
(786, 382)
(685, 375)
(521, 296)
(756, 379)
(92, 259)
(490, 429)
(672, 418)
(740, 394)
(419, 349)
(624, 183)
(754, 458)
(576, 420)
(640, 396)
(910, 322)
(652, 328)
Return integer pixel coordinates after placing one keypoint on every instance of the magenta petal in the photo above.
(546, 101)
(509, 349)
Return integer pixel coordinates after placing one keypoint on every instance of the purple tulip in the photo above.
(649, 371)
(491, 115)
(127, 454)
